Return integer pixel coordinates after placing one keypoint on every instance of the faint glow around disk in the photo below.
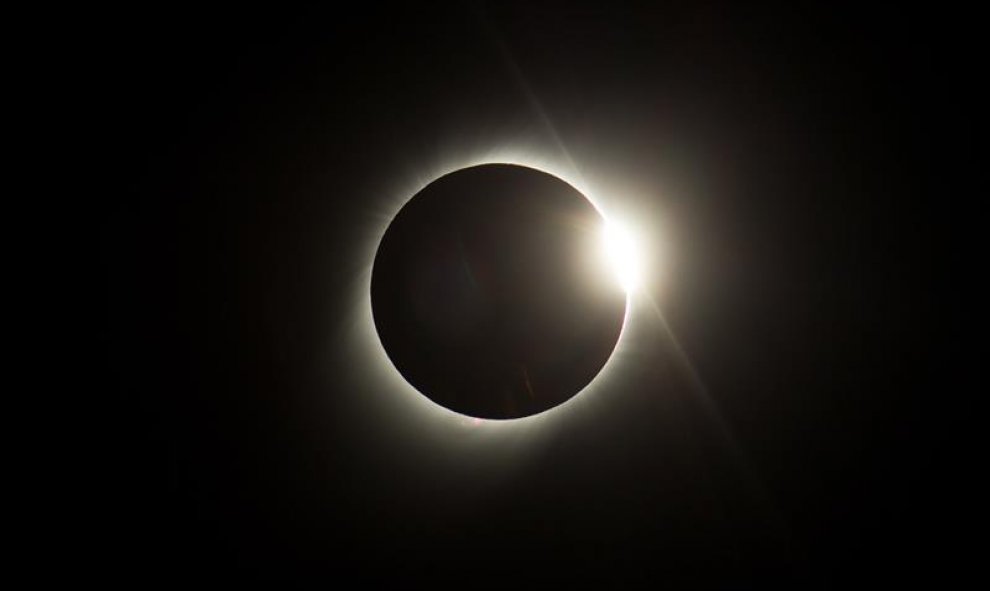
(622, 254)
(619, 247)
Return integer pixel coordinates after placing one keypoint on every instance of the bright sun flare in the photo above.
(622, 255)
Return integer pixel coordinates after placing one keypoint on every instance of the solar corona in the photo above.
(500, 291)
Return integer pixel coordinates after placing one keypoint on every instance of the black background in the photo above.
(796, 159)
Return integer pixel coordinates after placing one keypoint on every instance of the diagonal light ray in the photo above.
(700, 394)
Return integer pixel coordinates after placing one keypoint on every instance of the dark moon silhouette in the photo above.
(490, 293)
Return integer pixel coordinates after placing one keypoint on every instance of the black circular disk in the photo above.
(490, 295)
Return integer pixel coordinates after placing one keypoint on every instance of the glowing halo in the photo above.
(404, 395)
(622, 253)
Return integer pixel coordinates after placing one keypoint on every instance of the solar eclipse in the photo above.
(499, 291)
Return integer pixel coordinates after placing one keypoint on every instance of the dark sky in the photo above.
(791, 157)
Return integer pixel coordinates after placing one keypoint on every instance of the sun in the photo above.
(619, 253)
(622, 254)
